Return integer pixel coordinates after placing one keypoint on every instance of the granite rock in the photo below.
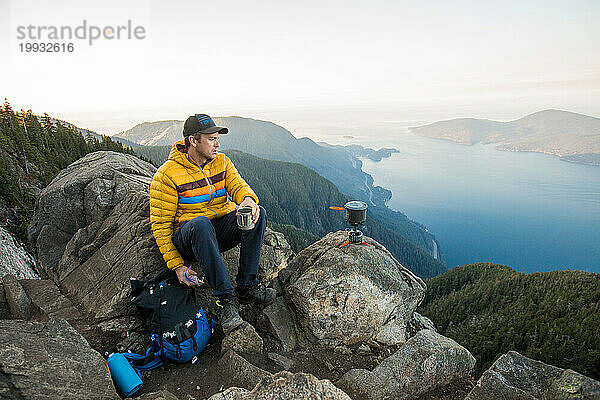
(348, 295)
(426, 362)
(516, 377)
(50, 361)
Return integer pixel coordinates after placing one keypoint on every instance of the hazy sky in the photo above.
(307, 64)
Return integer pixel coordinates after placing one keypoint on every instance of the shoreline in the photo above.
(498, 147)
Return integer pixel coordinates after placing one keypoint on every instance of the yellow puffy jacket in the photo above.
(181, 191)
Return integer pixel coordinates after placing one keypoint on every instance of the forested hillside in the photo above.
(157, 154)
(33, 149)
(491, 309)
(293, 195)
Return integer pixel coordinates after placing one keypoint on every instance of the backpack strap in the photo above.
(160, 299)
(165, 274)
(194, 344)
(144, 362)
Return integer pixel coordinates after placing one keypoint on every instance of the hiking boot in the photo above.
(257, 293)
(227, 313)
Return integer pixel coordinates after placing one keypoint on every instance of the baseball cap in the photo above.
(201, 123)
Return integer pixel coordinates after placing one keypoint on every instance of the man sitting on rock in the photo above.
(193, 218)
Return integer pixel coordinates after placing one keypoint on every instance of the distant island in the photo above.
(365, 152)
(571, 136)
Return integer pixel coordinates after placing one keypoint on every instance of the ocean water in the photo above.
(530, 211)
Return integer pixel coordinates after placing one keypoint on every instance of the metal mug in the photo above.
(244, 218)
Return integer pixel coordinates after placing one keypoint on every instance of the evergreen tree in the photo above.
(33, 149)
(491, 309)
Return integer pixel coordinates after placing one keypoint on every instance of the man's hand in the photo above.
(180, 271)
(249, 201)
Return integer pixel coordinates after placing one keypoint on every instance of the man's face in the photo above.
(205, 146)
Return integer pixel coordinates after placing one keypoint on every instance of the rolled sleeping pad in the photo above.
(126, 378)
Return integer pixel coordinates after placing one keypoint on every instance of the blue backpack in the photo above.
(180, 329)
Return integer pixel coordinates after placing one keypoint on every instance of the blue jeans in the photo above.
(202, 239)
